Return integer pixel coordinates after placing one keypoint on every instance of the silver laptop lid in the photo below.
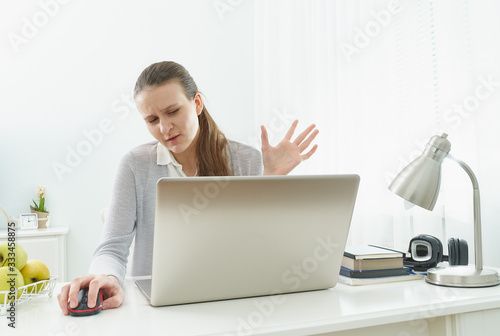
(231, 237)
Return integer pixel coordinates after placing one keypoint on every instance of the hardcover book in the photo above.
(374, 273)
(370, 281)
(370, 257)
(360, 252)
(371, 264)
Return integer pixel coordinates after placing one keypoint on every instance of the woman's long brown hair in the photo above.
(212, 146)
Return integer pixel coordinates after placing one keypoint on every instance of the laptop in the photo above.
(218, 238)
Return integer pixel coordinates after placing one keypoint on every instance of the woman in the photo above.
(188, 144)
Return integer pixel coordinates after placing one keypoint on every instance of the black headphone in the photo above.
(426, 251)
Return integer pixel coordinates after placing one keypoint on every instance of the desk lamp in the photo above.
(419, 183)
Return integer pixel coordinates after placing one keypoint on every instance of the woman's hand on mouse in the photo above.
(287, 155)
(109, 285)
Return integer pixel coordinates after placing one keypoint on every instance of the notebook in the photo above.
(218, 238)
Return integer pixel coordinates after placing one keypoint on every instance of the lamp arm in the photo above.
(478, 245)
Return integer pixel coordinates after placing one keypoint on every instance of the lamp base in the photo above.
(462, 276)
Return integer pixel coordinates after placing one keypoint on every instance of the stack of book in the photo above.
(368, 264)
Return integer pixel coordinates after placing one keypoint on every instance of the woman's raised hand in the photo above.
(287, 155)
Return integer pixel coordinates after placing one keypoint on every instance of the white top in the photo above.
(165, 158)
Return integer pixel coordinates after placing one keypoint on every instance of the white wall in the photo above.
(75, 73)
(78, 69)
(379, 78)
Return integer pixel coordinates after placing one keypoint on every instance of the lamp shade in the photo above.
(419, 182)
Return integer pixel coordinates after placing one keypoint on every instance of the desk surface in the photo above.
(341, 308)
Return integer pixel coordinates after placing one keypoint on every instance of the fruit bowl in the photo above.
(29, 292)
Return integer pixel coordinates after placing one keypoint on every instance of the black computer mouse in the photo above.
(82, 309)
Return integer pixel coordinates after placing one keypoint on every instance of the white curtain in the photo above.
(379, 78)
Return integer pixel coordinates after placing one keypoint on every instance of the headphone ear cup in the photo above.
(452, 251)
(463, 254)
(458, 250)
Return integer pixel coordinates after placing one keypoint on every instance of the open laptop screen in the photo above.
(231, 237)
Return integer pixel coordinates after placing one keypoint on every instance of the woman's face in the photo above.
(170, 116)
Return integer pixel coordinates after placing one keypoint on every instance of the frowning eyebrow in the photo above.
(166, 109)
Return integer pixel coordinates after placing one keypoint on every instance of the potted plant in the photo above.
(40, 209)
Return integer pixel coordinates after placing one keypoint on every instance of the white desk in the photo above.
(400, 309)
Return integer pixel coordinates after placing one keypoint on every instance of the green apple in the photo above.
(35, 271)
(9, 253)
(10, 277)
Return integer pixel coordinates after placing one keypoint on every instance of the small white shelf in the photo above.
(47, 245)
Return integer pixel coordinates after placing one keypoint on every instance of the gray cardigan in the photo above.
(131, 210)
